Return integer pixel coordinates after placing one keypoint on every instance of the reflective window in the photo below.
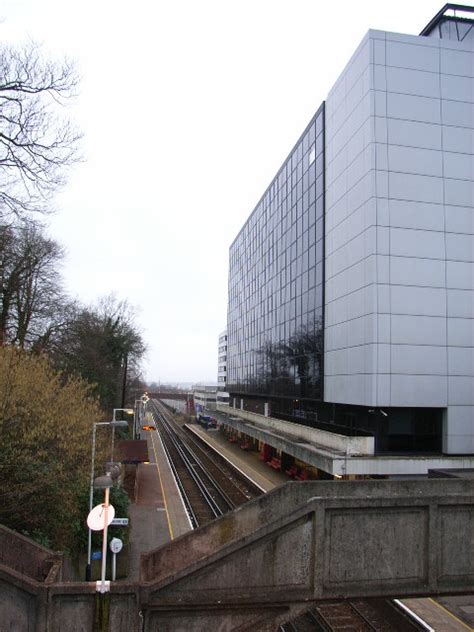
(275, 326)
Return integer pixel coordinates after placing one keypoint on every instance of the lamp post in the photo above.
(112, 424)
(136, 418)
(125, 410)
(139, 413)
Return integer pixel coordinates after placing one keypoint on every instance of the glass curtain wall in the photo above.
(276, 281)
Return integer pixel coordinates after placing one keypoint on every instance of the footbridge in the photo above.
(176, 395)
(272, 558)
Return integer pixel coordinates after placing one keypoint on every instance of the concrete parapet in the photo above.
(350, 446)
(26, 557)
(266, 562)
(77, 606)
(324, 540)
(197, 545)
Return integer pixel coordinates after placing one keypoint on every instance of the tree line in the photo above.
(38, 145)
(99, 342)
(63, 364)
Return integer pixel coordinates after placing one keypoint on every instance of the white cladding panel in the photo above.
(399, 319)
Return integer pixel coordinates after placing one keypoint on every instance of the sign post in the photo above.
(116, 545)
(98, 520)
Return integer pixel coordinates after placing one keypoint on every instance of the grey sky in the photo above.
(188, 110)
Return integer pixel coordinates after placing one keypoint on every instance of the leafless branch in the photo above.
(37, 143)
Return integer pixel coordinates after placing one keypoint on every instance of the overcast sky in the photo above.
(188, 109)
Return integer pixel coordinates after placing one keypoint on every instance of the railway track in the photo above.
(210, 488)
(380, 615)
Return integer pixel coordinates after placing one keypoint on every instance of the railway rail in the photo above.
(379, 615)
(210, 488)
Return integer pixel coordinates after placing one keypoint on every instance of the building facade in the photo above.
(204, 398)
(351, 291)
(222, 394)
(275, 318)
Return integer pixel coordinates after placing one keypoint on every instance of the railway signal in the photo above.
(149, 428)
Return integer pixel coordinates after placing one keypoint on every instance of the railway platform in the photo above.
(158, 514)
(247, 462)
(443, 615)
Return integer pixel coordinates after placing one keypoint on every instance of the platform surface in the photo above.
(247, 462)
(158, 514)
(436, 615)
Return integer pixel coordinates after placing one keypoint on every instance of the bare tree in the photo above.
(30, 287)
(36, 142)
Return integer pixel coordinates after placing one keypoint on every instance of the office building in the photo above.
(351, 292)
(204, 397)
(222, 395)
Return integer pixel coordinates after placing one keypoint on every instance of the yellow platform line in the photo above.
(170, 527)
(453, 616)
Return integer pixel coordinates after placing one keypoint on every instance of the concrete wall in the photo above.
(297, 432)
(350, 539)
(343, 539)
(340, 463)
(26, 557)
(400, 230)
(176, 404)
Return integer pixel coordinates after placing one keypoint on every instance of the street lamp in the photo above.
(139, 412)
(113, 424)
(136, 418)
(141, 407)
(125, 410)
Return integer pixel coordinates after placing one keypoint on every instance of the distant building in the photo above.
(222, 394)
(204, 398)
(351, 285)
